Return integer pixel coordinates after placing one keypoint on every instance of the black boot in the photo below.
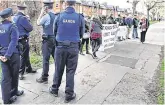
(94, 55)
(68, 99)
(30, 70)
(42, 80)
(55, 93)
(21, 77)
(19, 93)
(12, 100)
(81, 50)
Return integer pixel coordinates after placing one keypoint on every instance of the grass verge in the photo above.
(153, 22)
(160, 98)
(36, 62)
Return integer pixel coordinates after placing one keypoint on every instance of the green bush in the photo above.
(36, 61)
(153, 22)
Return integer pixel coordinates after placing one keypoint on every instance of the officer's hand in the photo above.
(43, 11)
(3, 59)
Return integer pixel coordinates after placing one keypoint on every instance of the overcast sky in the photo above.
(121, 3)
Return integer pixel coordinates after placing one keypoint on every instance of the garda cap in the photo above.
(6, 13)
(48, 2)
(71, 2)
(22, 6)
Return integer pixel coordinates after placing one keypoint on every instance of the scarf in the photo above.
(98, 22)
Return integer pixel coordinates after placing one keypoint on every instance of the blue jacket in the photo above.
(69, 26)
(8, 39)
(129, 21)
(23, 24)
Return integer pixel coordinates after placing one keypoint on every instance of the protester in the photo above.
(110, 20)
(24, 27)
(119, 20)
(69, 27)
(96, 35)
(144, 25)
(46, 20)
(135, 27)
(124, 21)
(9, 58)
(85, 38)
(129, 25)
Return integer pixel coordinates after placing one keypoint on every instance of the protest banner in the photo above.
(109, 33)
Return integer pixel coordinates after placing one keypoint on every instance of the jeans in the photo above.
(135, 33)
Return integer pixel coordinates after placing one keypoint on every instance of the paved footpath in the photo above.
(120, 76)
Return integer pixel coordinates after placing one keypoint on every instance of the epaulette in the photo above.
(81, 14)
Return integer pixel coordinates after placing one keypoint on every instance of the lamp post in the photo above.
(134, 4)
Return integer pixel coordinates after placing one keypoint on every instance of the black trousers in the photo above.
(95, 44)
(25, 59)
(10, 74)
(143, 35)
(66, 57)
(48, 49)
(87, 44)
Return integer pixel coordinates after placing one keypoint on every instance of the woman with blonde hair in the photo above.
(144, 25)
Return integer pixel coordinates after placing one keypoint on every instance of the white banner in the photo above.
(122, 32)
(109, 33)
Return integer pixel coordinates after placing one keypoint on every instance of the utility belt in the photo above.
(68, 44)
(47, 37)
(23, 38)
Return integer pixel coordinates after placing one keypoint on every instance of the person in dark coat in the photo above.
(135, 27)
(9, 58)
(85, 39)
(24, 27)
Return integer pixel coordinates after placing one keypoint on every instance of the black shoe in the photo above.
(42, 80)
(12, 100)
(55, 93)
(129, 38)
(88, 52)
(20, 93)
(21, 77)
(137, 37)
(32, 71)
(68, 99)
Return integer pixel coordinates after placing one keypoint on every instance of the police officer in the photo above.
(23, 23)
(46, 20)
(9, 58)
(69, 27)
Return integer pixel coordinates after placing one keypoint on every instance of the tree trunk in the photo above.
(148, 14)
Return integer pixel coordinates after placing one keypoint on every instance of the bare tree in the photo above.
(33, 10)
(150, 4)
(153, 13)
(134, 5)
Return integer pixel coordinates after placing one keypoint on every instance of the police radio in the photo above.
(1, 47)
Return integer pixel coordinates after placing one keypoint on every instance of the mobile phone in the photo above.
(45, 8)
